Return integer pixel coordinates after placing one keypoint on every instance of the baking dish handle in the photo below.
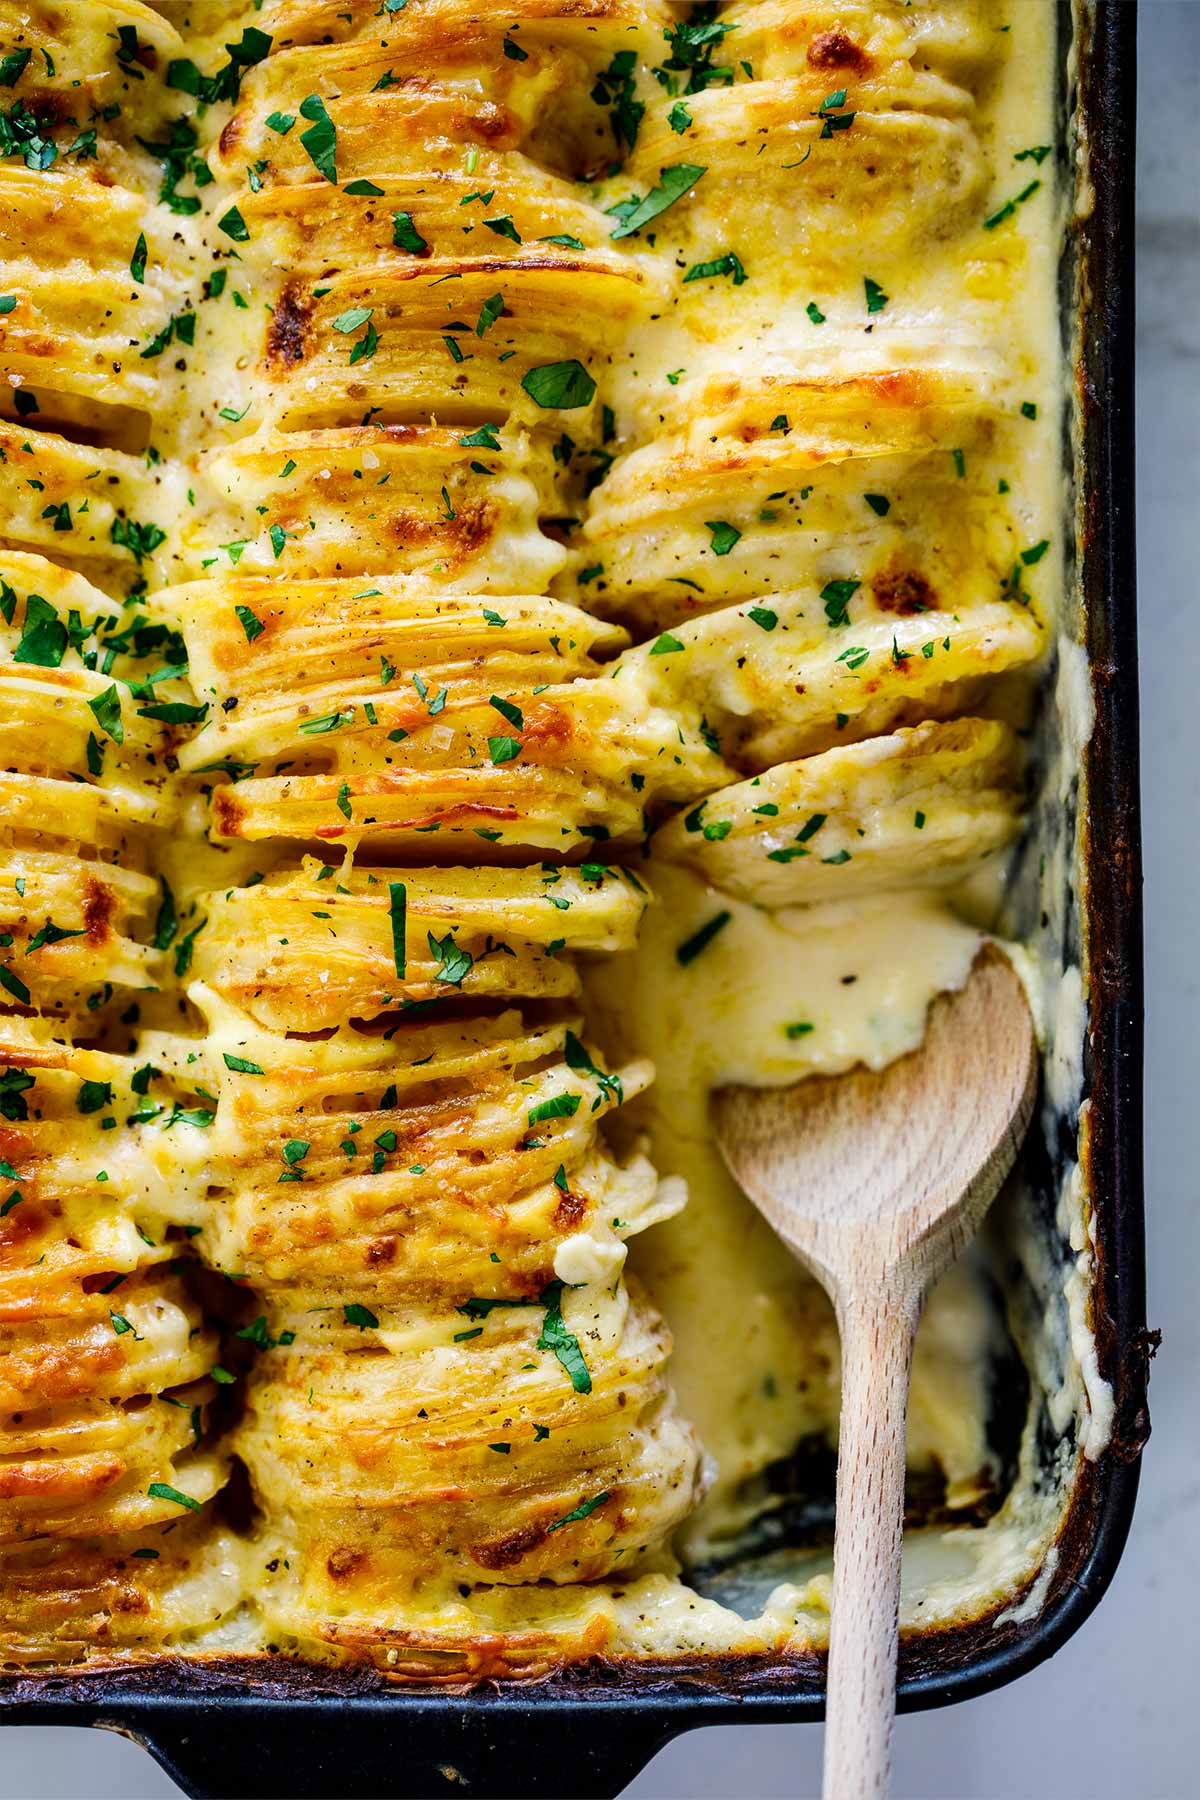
(252, 1751)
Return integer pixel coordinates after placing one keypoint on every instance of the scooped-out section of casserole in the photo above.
(533, 583)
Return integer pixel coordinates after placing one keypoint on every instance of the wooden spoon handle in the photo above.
(877, 1333)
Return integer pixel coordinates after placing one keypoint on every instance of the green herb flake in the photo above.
(106, 708)
(1010, 206)
(234, 226)
(320, 140)
(161, 1490)
(674, 182)
(582, 1511)
(562, 384)
(251, 624)
(560, 1106)
(565, 1345)
(690, 949)
(875, 296)
(724, 536)
(405, 235)
(398, 913)
(837, 596)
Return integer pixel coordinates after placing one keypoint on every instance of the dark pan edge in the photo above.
(599, 1723)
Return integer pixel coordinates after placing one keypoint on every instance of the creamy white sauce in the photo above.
(756, 1359)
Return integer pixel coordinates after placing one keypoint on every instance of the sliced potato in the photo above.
(923, 805)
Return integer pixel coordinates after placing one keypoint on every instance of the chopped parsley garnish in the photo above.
(724, 536)
(162, 1490)
(690, 949)
(454, 963)
(489, 312)
(728, 263)
(234, 226)
(251, 624)
(398, 913)
(561, 1106)
(580, 1063)
(565, 1345)
(616, 87)
(107, 710)
(582, 1511)
(362, 1316)
(93, 1097)
(1010, 206)
(483, 439)
(692, 43)
(320, 140)
(405, 235)
(837, 596)
(674, 182)
(560, 384)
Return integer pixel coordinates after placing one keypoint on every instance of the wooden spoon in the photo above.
(877, 1182)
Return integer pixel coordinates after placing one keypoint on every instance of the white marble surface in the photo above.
(1116, 1713)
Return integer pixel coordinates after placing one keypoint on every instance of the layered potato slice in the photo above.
(318, 229)
(528, 1441)
(435, 776)
(83, 341)
(253, 635)
(64, 1600)
(101, 512)
(409, 500)
(106, 1154)
(92, 1422)
(313, 947)
(103, 1390)
(434, 72)
(77, 791)
(887, 47)
(104, 1359)
(896, 184)
(71, 930)
(776, 691)
(454, 338)
(885, 477)
(77, 666)
(924, 805)
(347, 21)
(330, 740)
(85, 79)
(431, 1164)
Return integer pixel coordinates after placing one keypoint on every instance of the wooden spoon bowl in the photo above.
(877, 1181)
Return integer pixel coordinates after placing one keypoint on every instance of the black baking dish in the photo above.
(264, 1728)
